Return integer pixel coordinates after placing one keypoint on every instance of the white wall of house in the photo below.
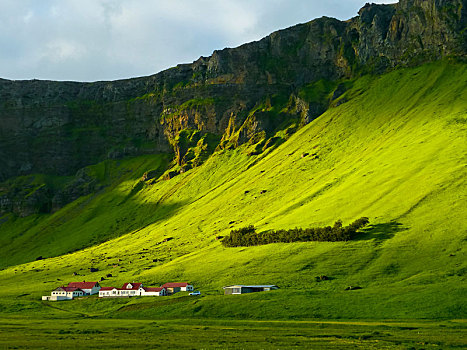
(77, 293)
(188, 288)
(109, 293)
(61, 295)
(153, 294)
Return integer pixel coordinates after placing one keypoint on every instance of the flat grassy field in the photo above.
(394, 150)
(214, 334)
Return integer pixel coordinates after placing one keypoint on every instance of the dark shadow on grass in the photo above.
(380, 232)
(133, 216)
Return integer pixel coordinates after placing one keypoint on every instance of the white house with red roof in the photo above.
(64, 293)
(127, 290)
(109, 292)
(131, 290)
(89, 288)
(149, 291)
(174, 287)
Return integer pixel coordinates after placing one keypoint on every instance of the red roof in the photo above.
(175, 284)
(69, 289)
(83, 285)
(107, 288)
(134, 286)
(150, 289)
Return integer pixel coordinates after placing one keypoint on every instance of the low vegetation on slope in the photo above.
(247, 236)
(393, 150)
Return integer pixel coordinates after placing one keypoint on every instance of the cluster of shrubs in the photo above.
(247, 236)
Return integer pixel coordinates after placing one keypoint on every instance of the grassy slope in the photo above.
(395, 152)
(81, 223)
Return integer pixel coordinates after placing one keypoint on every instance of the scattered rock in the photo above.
(219, 237)
(304, 155)
(321, 278)
(263, 191)
(109, 275)
(39, 258)
(93, 269)
(353, 288)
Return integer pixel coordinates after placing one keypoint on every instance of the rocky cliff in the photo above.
(238, 95)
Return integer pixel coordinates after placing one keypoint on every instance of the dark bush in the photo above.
(247, 236)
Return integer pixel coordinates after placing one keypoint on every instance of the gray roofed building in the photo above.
(242, 289)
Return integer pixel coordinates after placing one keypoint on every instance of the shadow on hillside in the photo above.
(98, 223)
(380, 232)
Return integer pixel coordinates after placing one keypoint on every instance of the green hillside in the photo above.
(393, 149)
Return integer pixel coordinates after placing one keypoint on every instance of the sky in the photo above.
(90, 40)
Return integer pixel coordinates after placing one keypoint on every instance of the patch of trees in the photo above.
(247, 236)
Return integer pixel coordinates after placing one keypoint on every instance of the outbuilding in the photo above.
(157, 292)
(175, 287)
(89, 288)
(242, 289)
(64, 293)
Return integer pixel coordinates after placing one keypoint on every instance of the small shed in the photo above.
(242, 289)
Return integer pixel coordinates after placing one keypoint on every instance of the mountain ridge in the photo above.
(68, 114)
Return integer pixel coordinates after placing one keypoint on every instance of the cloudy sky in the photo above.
(88, 40)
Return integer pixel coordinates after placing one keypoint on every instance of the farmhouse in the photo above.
(241, 289)
(131, 290)
(89, 288)
(64, 293)
(77, 289)
(175, 287)
(109, 292)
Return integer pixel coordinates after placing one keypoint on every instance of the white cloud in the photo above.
(63, 50)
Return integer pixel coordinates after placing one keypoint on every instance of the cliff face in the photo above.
(59, 127)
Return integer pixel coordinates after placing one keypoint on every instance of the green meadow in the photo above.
(392, 149)
(214, 334)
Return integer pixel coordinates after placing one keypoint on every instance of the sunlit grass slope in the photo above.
(393, 150)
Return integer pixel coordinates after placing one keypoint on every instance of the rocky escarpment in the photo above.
(239, 95)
